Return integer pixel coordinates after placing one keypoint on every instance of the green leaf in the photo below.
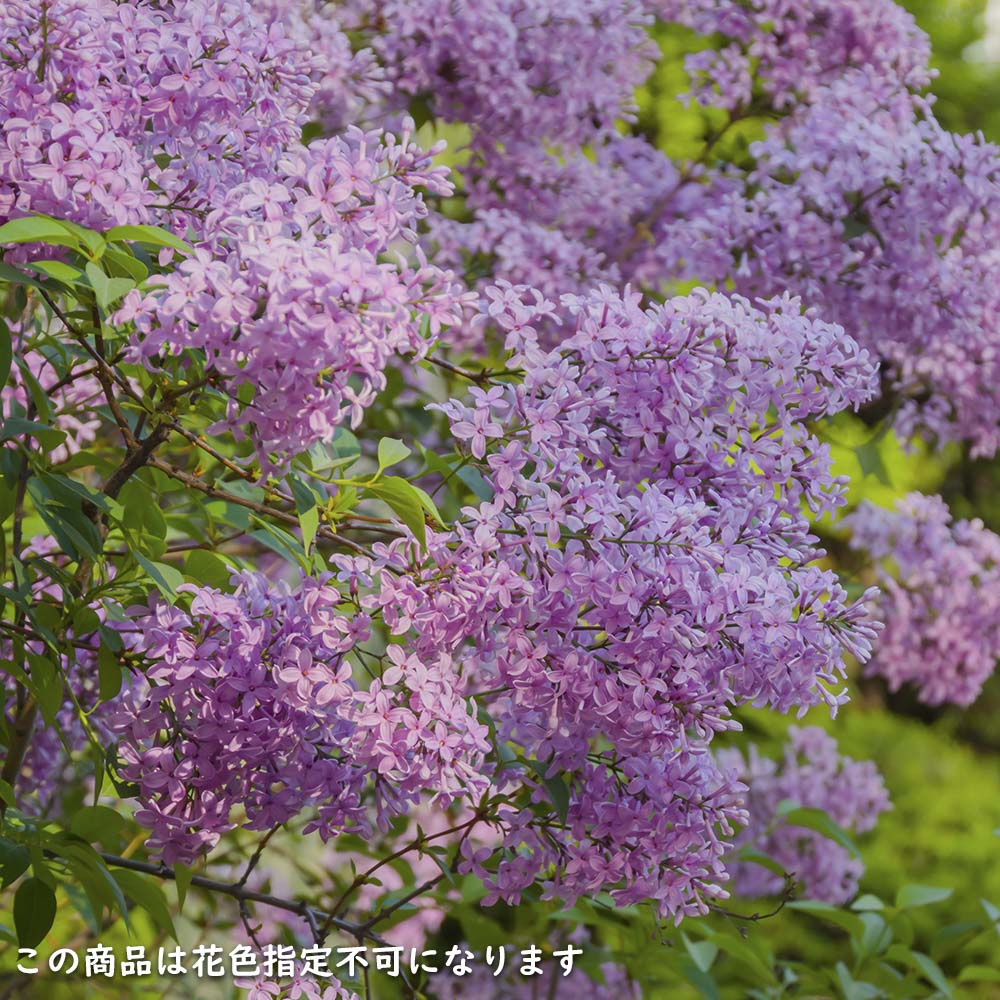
(558, 790)
(309, 524)
(34, 909)
(57, 269)
(37, 229)
(391, 452)
(876, 938)
(850, 922)
(207, 569)
(305, 496)
(751, 952)
(140, 510)
(7, 793)
(60, 509)
(167, 578)
(14, 277)
(102, 890)
(149, 236)
(818, 820)
(342, 450)
(14, 861)
(109, 673)
(952, 937)
(92, 243)
(97, 824)
(107, 290)
(48, 437)
(306, 501)
(979, 974)
(40, 398)
(700, 980)
(83, 905)
(149, 895)
(6, 353)
(870, 460)
(427, 502)
(854, 227)
(278, 540)
(125, 265)
(853, 989)
(46, 681)
(752, 856)
(403, 498)
(473, 478)
(477, 927)
(910, 897)
(867, 902)
(182, 879)
(931, 971)
(703, 953)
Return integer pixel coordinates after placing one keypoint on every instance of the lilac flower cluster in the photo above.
(297, 299)
(347, 81)
(250, 704)
(301, 986)
(791, 49)
(112, 110)
(648, 481)
(559, 662)
(812, 774)
(863, 205)
(858, 201)
(191, 116)
(513, 70)
(939, 597)
(644, 566)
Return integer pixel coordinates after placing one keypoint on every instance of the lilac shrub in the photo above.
(938, 581)
(550, 663)
(623, 549)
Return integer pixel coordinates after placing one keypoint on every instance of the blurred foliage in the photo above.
(968, 85)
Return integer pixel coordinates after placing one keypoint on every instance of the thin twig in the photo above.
(244, 895)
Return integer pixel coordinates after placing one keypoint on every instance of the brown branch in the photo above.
(135, 459)
(244, 895)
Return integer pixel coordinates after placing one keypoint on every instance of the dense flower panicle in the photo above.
(298, 298)
(250, 701)
(814, 775)
(305, 282)
(793, 48)
(939, 597)
(562, 223)
(115, 111)
(499, 242)
(347, 82)
(648, 477)
(643, 567)
(513, 69)
(886, 223)
(643, 563)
